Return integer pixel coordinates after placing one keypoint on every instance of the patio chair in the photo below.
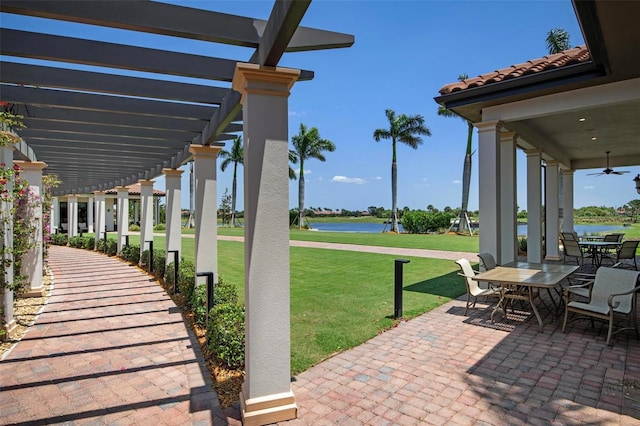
(487, 261)
(572, 252)
(627, 251)
(609, 253)
(473, 290)
(570, 236)
(613, 292)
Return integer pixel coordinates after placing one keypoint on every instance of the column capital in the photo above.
(96, 193)
(172, 172)
(146, 182)
(69, 196)
(567, 171)
(260, 79)
(485, 126)
(205, 150)
(30, 165)
(552, 162)
(532, 152)
(120, 189)
(507, 136)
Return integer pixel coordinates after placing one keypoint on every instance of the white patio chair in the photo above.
(627, 251)
(473, 290)
(613, 292)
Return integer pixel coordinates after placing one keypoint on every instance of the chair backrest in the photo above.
(628, 250)
(468, 272)
(571, 248)
(613, 238)
(614, 281)
(569, 236)
(487, 260)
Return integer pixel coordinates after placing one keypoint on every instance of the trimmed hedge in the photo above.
(59, 239)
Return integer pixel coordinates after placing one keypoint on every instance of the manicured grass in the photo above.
(340, 299)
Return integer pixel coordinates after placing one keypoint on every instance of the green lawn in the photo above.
(340, 299)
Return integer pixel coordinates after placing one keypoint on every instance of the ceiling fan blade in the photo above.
(595, 174)
(620, 172)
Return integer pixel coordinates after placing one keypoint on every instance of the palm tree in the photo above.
(307, 144)
(557, 40)
(463, 224)
(235, 156)
(406, 129)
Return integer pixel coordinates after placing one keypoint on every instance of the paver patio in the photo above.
(111, 348)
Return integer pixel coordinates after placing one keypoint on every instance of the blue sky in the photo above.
(404, 52)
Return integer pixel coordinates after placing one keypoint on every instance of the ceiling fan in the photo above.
(608, 170)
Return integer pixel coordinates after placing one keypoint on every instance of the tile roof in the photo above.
(577, 55)
(134, 189)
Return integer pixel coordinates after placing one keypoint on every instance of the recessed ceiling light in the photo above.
(581, 119)
(593, 138)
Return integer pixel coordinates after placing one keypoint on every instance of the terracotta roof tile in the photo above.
(134, 189)
(569, 57)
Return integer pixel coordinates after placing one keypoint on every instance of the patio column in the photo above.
(266, 393)
(32, 259)
(567, 200)
(508, 199)
(55, 215)
(100, 216)
(122, 210)
(489, 187)
(534, 205)
(110, 204)
(552, 210)
(10, 325)
(173, 186)
(146, 209)
(72, 215)
(90, 216)
(206, 250)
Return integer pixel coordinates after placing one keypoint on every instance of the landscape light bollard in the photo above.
(176, 268)
(209, 276)
(126, 240)
(150, 255)
(397, 300)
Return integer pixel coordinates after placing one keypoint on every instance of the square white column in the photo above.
(489, 187)
(266, 394)
(122, 210)
(552, 210)
(173, 187)
(72, 215)
(99, 216)
(146, 208)
(204, 170)
(567, 201)
(32, 258)
(55, 215)
(534, 206)
(6, 205)
(110, 214)
(90, 215)
(508, 199)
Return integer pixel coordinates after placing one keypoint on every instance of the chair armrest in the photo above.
(566, 290)
(610, 300)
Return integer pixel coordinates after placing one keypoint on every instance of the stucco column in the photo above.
(173, 187)
(206, 250)
(508, 199)
(122, 210)
(90, 215)
(266, 393)
(489, 188)
(534, 206)
(32, 258)
(146, 216)
(552, 210)
(72, 215)
(110, 204)
(100, 216)
(10, 326)
(567, 200)
(55, 215)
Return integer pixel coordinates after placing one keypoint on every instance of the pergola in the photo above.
(113, 127)
(565, 111)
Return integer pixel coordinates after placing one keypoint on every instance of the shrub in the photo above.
(199, 304)
(226, 334)
(224, 292)
(131, 254)
(420, 222)
(159, 262)
(522, 244)
(100, 245)
(59, 239)
(160, 227)
(89, 243)
(76, 242)
(111, 247)
(168, 275)
(186, 280)
(134, 227)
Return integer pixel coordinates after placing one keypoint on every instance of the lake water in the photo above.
(379, 227)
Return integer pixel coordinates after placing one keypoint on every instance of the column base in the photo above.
(267, 409)
(34, 292)
(10, 329)
(550, 257)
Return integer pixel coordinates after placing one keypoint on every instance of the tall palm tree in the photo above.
(306, 145)
(463, 224)
(235, 156)
(406, 129)
(557, 40)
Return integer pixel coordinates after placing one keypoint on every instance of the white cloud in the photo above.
(589, 187)
(344, 179)
(457, 182)
(424, 179)
(378, 178)
(297, 113)
(306, 172)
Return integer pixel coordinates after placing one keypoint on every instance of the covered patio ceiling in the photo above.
(99, 129)
(546, 115)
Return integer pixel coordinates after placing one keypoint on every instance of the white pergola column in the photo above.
(146, 209)
(489, 187)
(55, 214)
(72, 215)
(10, 325)
(508, 199)
(567, 200)
(110, 204)
(552, 210)
(122, 210)
(534, 206)
(90, 215)
(206, 250)
(100, 216)
(266, 393)
(32, 259)
(173, 187)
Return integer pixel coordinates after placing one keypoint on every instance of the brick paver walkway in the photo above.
(110, 348)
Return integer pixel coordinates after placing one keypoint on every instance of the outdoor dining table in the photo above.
(523, 281)
(597, 248)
